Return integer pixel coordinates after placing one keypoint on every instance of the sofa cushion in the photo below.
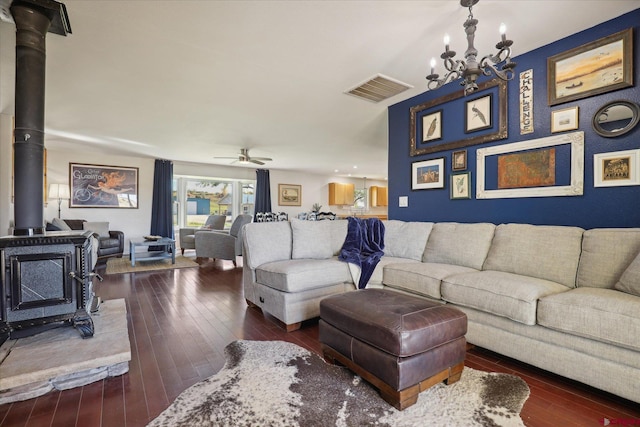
(376, 279)
(459, 244)
(422, 278)
(630, 280)
(302, 274)
(100, 228)
(606, 253)
(546, 252)
(604, 315)
(75, 224)
(338, 231)
(311, 239)
(406, 239)
(496, 292)
(50, 227)
(266, 242)
(57, 222)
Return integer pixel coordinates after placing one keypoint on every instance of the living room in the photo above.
(585, 200)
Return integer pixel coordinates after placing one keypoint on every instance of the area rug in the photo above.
(275, 383)
(123, 265)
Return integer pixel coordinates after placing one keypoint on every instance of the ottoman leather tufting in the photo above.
(399, 343)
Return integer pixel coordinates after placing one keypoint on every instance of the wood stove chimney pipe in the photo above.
(33, 19)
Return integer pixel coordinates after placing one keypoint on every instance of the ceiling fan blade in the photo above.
(216, 157)
(266, 159)
(257, 162)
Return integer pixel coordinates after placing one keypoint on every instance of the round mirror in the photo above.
(616, 118)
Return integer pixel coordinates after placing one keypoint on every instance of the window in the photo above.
(195, 198)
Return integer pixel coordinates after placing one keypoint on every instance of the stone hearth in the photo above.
(60, 359)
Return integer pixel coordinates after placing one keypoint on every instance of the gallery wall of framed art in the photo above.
(561, 153)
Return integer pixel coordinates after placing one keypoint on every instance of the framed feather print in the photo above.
(486, 119)
(432, 126)
(478, 114)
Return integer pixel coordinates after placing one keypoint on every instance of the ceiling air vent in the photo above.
(378, 88)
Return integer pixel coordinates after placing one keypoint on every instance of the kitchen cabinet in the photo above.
(341, 194)
(378, 196)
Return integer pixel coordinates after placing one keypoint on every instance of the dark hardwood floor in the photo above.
(181, 320)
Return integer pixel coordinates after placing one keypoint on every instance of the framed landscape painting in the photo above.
(289, 195)
(97, 186)
(593, 68)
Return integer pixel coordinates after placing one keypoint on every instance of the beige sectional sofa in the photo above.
(561, 298)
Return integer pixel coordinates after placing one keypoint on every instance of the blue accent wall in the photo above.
(597, 207)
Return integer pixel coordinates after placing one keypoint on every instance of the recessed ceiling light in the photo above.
(355, 166)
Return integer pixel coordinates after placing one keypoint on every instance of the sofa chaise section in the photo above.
(557, 297)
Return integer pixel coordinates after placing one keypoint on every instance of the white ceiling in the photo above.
(190, 80)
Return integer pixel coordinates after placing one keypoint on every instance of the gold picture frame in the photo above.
(594, 68)
(289, 195)
(565, 119)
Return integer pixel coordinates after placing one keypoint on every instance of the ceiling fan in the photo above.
(245, 158)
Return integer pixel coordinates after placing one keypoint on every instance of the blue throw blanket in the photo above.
(363, 246)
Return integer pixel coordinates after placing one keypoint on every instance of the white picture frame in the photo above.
(616, 168)
(575, 187)
(427, 174)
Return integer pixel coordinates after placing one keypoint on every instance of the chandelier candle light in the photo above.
(470, 69)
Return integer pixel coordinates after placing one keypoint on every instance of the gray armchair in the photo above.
(187, 235)
(222, 244)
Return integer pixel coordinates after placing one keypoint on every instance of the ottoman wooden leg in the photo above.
(399, 399)
(455, 373)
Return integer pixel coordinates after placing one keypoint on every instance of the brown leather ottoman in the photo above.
(400, 344)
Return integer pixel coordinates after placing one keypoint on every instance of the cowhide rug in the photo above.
(276, 383)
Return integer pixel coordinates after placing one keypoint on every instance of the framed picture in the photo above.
(616, 169)
(477, 114)
(427, 174)
(97, 186)
(593, 68)
(459, 160)
(461, 185)
(501, 131)
(565, 119)
(289, 195)
(432, 126)
(536, 149)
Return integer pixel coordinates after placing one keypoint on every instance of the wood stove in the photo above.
(46, 282)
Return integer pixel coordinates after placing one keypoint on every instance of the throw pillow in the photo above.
(61, 224)
(311, 239)
(100, 228)
(630, 280)
(51, 227)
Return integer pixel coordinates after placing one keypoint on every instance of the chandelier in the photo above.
(470, 69)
